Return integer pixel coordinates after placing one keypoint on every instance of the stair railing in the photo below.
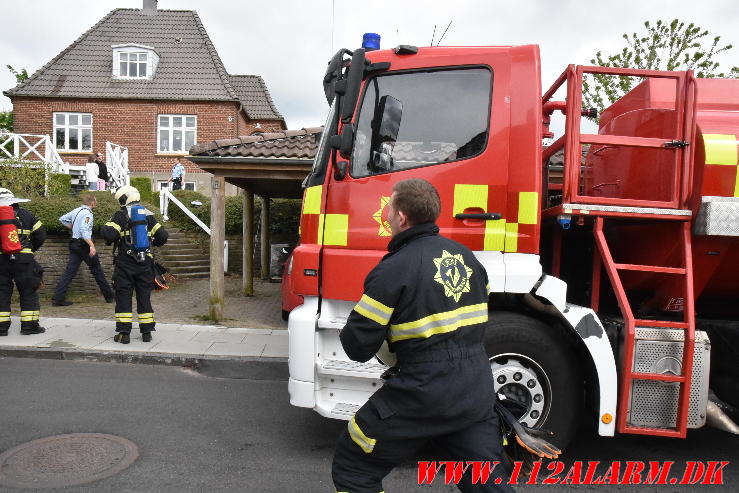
(116, 157)
(165, 196)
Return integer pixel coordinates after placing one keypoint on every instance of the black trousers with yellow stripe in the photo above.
(27, 282)
(130, 276)
(376, 441)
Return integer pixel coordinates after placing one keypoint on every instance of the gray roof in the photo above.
(189, 66)
(253, 94)
(288, 144)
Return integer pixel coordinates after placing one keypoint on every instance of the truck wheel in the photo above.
(537, 375)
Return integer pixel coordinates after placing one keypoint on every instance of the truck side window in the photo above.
(444, 118)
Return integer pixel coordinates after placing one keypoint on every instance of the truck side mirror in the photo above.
(344, 142)
(385, 130)
(353, 82)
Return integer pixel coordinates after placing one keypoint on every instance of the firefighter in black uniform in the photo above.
(428, 298)
(132, 271)
(21, 268)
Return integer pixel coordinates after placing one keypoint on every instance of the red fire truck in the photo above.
(611, 274)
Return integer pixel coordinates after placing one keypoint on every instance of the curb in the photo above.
(234, 367)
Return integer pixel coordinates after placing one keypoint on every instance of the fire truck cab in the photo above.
(637, 202)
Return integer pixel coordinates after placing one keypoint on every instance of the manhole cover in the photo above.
(66, 460)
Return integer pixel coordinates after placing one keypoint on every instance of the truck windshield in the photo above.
(445, 117)
(320, 163)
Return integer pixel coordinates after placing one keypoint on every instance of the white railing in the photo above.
(32, 148)
(116, 159)
(165, 196)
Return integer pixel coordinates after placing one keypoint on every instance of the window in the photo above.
(132, 65)
(134, 61)
(188, 185)
(177, 133)
(444, 118)
(73, 131)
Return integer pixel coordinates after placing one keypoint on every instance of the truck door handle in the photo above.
(482, 215)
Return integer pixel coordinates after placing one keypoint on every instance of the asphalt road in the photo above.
(206, 433)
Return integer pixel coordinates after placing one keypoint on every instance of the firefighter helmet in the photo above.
(7, 197)
(127, 195)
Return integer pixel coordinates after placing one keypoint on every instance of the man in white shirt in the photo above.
(91, 171)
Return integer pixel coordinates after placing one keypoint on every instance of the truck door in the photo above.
(452, 133)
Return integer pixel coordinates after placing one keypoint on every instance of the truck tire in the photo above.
(537, 375)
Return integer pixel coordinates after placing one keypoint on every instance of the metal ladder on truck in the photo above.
(615, 211)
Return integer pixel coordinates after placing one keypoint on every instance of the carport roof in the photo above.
(268, 164)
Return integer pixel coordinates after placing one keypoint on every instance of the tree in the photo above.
(664, 46)
(20, 75)
(6, 117)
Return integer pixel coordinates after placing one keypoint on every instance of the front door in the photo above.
(450, 135)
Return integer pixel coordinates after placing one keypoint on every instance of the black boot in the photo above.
(146, 336)
(31, 330)
(122, 337)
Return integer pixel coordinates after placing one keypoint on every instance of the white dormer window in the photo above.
(134, 61)
(132, 65)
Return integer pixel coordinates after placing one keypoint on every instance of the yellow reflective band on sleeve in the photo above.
(467, 196)
(27, 250)
(721, 149)
(335, 229)
(528, 207)
(24, 231)
(36, 226)
(440, 323)
(374, 310)
(155, 228)
(312, 201)
(511, 237)
(357, 435)
(113, 225)
(494, 235)
(487, 288)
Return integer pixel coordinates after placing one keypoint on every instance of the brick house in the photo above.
(147, 79)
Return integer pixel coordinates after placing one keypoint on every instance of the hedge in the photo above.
(60, 184)
(143, 185)
(49, 209)
(285, 214)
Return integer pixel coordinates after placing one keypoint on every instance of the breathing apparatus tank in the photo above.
(139, 231)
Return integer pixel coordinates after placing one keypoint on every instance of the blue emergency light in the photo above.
(371, 41)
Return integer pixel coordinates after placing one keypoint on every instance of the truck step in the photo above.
(344, 367)
(344, 410)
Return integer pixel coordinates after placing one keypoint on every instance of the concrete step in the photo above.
(178, 264)
(183, 250)
(189, 269)
(193, 275)
(174, 257)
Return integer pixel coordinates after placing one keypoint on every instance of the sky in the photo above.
(288, 42)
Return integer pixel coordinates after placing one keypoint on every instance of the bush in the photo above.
(23, 178)
(59, 184)
(143, 185)
(48, 210)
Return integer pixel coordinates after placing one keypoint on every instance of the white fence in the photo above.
(165, 196)
(32, 148)
(116, 159)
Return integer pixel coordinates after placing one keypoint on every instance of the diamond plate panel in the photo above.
(718, 216)
(654, 404)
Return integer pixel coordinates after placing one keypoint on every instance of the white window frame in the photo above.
(172, 130)
(123, 52)
(79, 127)
(162, 184)
(142, 59)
